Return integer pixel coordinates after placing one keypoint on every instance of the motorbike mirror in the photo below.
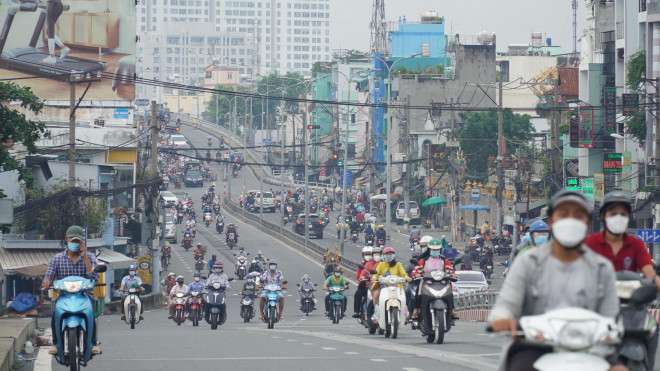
(644, 294)
(97, 252)
(458, 261)
(315, 285)
(248, 253)
(297, 284)
(285, 282)
(100, 268)
(373, 271)
(489, 282)
(230, 279)
(204, 277)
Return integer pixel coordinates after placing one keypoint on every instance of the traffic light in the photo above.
(335, 155)
(340, 163)
(310, 127)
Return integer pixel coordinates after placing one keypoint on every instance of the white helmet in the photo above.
(425, 240)
(367, 250)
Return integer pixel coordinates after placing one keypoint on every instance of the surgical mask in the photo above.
(388, 258)
(306, 281)
(540, 238)
(376, 257)
(73, 246)
(617, 224)
(569, 232)
(217, 270)
(435, 253)
(272, 267)
(179, 282)
(337, 274)
(424, 249)
(368, 258)
(131, 273)
(196, 279)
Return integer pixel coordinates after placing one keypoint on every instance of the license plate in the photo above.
(489, 267)
(310, 226)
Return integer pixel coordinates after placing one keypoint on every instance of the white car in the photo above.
(178, 140)
(170, 229)
(169, 199)
(413, 216)
(267, 203)
(470, 281)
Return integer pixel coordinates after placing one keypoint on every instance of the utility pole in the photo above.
(554, 139)
(657, 157)
(454, 190)
(261, 178)
(282, 195)
(344, 181)
(500, 158)
(72, 134)
(155, 260)
(304, 153)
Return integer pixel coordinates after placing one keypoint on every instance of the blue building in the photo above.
(407, 40)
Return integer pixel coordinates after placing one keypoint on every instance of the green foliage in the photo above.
(636, 67)
(563, 128)
(637, 126)
(16, 128)
(478, 137)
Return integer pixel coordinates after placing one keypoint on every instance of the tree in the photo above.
(478, 137)
(636, 67)
(225, 106)
(16, 128)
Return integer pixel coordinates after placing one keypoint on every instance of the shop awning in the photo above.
(115, 260)
(25, 262)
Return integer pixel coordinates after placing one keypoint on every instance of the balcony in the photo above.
(642, 6)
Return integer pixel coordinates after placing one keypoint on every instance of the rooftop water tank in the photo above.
(485, 37)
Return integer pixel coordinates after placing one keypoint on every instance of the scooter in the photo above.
(272, 308)
(336, 303)
(74, 320)
(354, 236)
(231, 241)
(186, 242)
(571, 333)
(133, 307)
(179, 301)
(380, 242)
(200, 263)
(369, 240)
(434, 314)
(219, 225)
(216, 310)
(392, 303)
(247, 306)
(307, 301)
(413, 242)
(195, 305)
(640, 339)
(207, 219)
(241, 267)
(366, 311)
(235, 173)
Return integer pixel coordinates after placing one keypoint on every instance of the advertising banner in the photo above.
(44, 44)
(630, 104)
(144, 269)
(599, 186)
(612, 162)
(586, 128)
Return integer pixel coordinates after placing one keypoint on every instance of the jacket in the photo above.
(383, 268)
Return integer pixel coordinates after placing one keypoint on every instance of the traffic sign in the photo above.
(475, 194)
(266, 140)
(649, 235)
(349, 178)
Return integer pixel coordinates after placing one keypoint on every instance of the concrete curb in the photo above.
(149, 301)
(14, 334)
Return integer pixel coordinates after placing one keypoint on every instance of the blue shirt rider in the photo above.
(368, 231)
(197, 284)
(212, 261)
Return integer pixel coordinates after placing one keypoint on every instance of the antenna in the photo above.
(378, 28)
(574, 5)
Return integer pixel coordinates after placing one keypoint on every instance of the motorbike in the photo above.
(366, 311)
(207, 219)
(354, 236)
(200, 263)
(186, 242)
(235, 173)
(502, 246)
(179, 301)
(571, 333)
(392, 303)
(195, 305)
(369, 240)
(74, 320)
(272, 308)
(640, 339)
(434, 314)
(241, 267)
(165, 261)
(231, 240)
(177, 183)
(219, 225)
(179, 217)
(286, 218)
(487, 268)
(380, 242)
(413, 242)
(336, 303)
(361, 227)
(307, 301)
(216, 310)
(209, 142)
(133, 307)
(247, 306)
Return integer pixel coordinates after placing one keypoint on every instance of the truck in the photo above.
(414, 215)
(268, 202)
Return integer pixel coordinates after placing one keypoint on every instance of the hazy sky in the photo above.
(512, 20)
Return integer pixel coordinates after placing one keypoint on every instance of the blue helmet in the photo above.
(538, 226)
(131, 267)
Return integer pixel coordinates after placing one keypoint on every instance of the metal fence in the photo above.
(473, 299)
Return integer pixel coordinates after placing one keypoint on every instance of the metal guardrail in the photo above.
(473, 299)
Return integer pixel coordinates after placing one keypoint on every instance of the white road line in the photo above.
(378, 360)
(411, 369)
(328, 348)
(291, 340)
(43, 361)
(307, 343)
(351, 353)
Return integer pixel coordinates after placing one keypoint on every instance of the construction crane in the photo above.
(544, 82)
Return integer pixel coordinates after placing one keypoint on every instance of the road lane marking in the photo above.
(307, 343)
(351, 353)
(412, 369)
(291, 340)
(378, 360)
(328, 348)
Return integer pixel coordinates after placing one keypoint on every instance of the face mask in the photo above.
(540, 239)
(272, 267)
(569, 232)
(368, 258)
(196, 279)
(306, 281)
(337, 274)
(73, 246)
(435, 253)
(376, 257)
(131, 273)
(388, 258)
(424, 249)
(617, 224)
(180, 283)
(217, 270)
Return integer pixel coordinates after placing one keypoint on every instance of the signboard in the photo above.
(571, 167)
(120, 113)
(574, 132)
(613, 162)
(475, 194)
(572, 184)
(649, 235)
(349, 178)
(626, 174)
(266, 140)
(144, 269)
(609, 103)
(630, 104)
(588, 188)
(142, 102)
(586, 128)
(322, 169)
(437, 157)
(599, 186)
(83, 29)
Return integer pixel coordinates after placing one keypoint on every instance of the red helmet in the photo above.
(218, 263)
(388, 250)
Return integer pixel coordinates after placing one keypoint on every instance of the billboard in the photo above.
(613, 162)
(43, 43)
(586, 128)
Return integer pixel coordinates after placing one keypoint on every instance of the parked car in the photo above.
(470, 281)
(268, 202)
(169, 199)
(414, 214)
(316, 226)
(170, 229)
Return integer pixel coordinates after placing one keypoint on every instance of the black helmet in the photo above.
(197, 275)
(570, 196)
(615, 198)
(337, 270)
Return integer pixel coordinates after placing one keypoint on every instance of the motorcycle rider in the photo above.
(524, 242)
(537, 234)
(330, 267)
(361, 290)
(218, 275)
(272, 277)
(368, 231)
(212, 261)
(624, 251)
(561, 273)
(199, 252)
(307, 284)
(354, 226)
(389, 266)
(197, 284)
(249, 287)
(254, 267)
(380, 233)
(126, 283)
(179, 287)
(241, 252)
(166, 252)
(335, 280)
(415, 232)
(231, 228)
(435, 261)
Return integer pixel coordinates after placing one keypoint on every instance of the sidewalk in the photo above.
(13, 334)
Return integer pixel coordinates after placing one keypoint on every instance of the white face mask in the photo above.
(376, 257)
(368, 258)
(617, 224)
(569, 232)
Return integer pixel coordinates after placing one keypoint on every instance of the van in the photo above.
(414, 215)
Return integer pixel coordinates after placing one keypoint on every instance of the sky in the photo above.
(511, 20)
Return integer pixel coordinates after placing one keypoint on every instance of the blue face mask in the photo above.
(540, 240)
(73, 246)
(337, 274)
(306, 281)
(435, 253)
(424, 249)
(272, 267)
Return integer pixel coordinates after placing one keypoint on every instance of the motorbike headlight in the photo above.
(216, 285)
(437, 275)
(577, 335)
(625, 289)
(72, 286)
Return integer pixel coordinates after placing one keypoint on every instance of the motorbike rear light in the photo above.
(453, 288)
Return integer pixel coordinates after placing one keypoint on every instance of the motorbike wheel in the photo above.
(372, 330)
(178, 316)
(214, 321)
(337, 314)
(132, 317)
(194, 316)
(381, 331)
(74, 364)
(244, 314)
(440, 329)
(271, 317)
(394, 314)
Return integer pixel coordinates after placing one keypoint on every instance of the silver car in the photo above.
(170, 228)
(470, 281)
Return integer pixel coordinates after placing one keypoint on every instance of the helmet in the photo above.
(199, 244)
(305, 276)
(337, 270)
(241, 249)
(425, 240)
(571, 196)
(131, 267)
(614, 198)
(180, 279)
(272, 261)
(167, 243)
(538, 226)
(218, 263)
(254, 261)
(212, 184)
(367, 250)
(380, 226)
(197, 275)
(249, 276)
(444, 237)
(435, 242)
(434, 247)
(376, 250)
(388, 250)
(213, 256)
(259, 252)
(231, 224)
(171, 274)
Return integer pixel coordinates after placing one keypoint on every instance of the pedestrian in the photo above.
(461, 225)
